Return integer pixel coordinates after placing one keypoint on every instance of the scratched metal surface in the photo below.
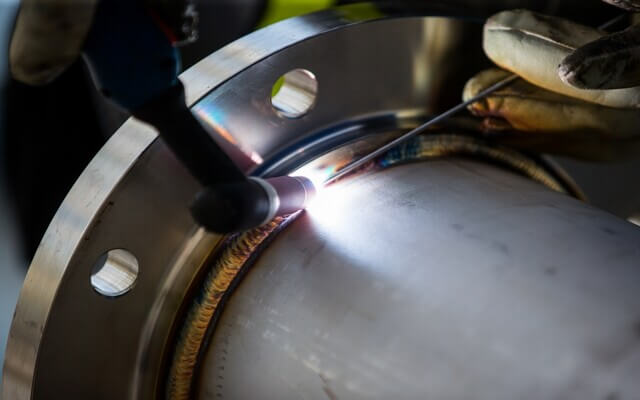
(442, 280)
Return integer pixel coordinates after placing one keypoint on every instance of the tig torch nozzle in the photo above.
(238, 206)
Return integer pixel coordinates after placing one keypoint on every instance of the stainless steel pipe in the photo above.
(450, 278)
(443, 279)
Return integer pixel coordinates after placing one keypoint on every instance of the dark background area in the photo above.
(50, 133)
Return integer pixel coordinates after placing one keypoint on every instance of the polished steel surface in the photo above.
(374, 78)
(341, 61)
(442, 279)
(294, 93)
(115, 273)
(66, 338)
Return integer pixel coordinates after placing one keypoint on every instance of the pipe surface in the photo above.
(443, 279)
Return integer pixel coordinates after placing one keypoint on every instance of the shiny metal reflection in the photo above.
(446, 279)
(135, 195)
(294, 93)
(115, 273)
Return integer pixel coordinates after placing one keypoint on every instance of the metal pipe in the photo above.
(442, 279)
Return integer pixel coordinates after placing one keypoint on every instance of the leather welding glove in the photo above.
(578, 95)
(49, 35)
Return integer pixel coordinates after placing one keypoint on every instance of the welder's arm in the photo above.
(129, 46)
(578, 95)
(48, 37)
(124, 41)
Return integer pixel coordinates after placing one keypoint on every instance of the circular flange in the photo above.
(68, 340)
(134, 194)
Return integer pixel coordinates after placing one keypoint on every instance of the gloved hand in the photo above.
(48, 36)
(611, 62)
(129, 47)
(578, 95)
(129, 44)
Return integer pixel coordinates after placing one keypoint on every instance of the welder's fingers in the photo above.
(533, 45)
(611, 62)
(48, 37)
(631, 5)
(552, 122)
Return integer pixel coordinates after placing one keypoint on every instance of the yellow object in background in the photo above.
(281, 9)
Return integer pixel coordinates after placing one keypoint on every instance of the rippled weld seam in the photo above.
(217, 282)
(427, 146)
(231, 261)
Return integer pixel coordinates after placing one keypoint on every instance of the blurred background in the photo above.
(48, 134)
(13, 263)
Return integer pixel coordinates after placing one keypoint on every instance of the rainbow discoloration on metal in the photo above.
(216, 284)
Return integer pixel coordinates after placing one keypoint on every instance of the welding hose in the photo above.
(229, 201)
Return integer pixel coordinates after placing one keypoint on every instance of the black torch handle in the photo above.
(188, 140)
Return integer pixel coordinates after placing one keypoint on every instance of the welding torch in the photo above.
(137, 65)
(230, 201)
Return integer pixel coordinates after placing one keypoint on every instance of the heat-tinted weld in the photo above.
(434, 146)
(233, 258)
(216, 283)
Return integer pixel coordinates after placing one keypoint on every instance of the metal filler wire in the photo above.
(441, 117)
(381, 150)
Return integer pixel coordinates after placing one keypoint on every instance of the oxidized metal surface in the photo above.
(444, 279)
